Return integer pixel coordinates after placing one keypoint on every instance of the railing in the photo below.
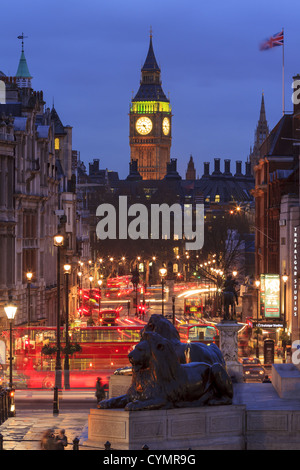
(75, 444)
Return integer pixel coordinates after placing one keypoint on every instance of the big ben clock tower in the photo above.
(150, 122)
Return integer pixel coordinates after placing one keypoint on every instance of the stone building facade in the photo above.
(37, 197)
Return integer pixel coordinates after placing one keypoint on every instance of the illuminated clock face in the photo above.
(166, 126)
(143, 125)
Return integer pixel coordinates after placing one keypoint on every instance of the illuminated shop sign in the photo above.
(262, 295)
(271, 298)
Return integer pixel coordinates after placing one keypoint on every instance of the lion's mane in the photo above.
(160, 377)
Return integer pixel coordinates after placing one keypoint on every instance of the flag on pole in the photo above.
(273, 41)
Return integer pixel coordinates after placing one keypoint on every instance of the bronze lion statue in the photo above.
(159, 381)
(198, 352)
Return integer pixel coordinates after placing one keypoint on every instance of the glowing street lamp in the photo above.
(163, 273)
(91, 309)
(11, 309)
(257, 284)
(58, 241)
(67, 271)
(29, 278)
(100, 284)
(285, 279)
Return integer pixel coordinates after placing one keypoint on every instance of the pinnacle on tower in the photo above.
(262, 129)
(261, 133)
(150, 62)
(23, 75)
(150, 85)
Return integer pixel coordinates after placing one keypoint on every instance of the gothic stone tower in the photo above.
(261, 133)
(150, 122)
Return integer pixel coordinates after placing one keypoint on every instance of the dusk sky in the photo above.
(87, 57)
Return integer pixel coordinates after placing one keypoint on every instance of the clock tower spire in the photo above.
(150, 122)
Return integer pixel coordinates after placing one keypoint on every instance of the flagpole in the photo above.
(283, 104)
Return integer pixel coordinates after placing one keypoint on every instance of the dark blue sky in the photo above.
(87, 56)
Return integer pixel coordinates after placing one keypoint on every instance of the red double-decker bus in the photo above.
(94, 352)
(200, 332)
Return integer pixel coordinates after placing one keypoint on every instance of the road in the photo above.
(42, 400)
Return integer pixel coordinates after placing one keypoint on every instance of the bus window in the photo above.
(193, 307)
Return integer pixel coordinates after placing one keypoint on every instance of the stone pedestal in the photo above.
(228, 331)
(286, 380)
(206, 428)
(119, 384)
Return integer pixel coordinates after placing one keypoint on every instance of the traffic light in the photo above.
(11, 403)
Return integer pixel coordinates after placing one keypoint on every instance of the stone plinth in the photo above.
(258, 419)
(286, 380)
(206, 428)
(228, 331)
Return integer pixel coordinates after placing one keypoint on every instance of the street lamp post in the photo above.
(67, 271)
(29, 278)
(257, 283)
(58, 242)
(79, 274)
(284, 278)
(91, 308)
(100, 284)
(10, 309)
(162, 272)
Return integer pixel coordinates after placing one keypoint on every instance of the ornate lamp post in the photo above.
(67, 271)
(58, 242)
(284, 278)
(10, 309)
(257, 284)
(29, 278)
(91, 308)
(79, 274)
(163, 273)
(100, 284)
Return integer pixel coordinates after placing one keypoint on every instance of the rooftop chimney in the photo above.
(217, 167)
(238, 168)
(227, 167)
(206, 168)
(248, 169)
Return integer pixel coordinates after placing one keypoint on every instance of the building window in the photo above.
(2, 92)
(57, 143)
(217, 198)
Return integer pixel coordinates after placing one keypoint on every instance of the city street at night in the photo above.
(149, 228)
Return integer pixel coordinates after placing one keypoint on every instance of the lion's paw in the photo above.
(103, 404)
(133, 406)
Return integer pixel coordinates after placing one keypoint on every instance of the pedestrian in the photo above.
(61, 440)
(48, 440)
(100, 393)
